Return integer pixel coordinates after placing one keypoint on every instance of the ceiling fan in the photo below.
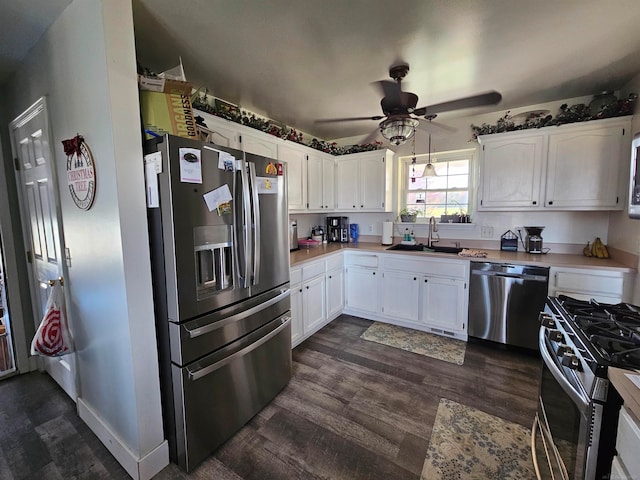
(401, 117)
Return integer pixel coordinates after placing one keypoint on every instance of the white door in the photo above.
(40, 215)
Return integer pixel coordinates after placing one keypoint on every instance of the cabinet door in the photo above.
(259, 144)
(296, 160)
(511, 171)
(315, 182)
(219, 131)
(362, 289)
(347, 184)
(443, 304)
(372, 182)
(296, 314)
(313, 304)
(583, 168)
(400, 294)
(328, 182)
(335, 293)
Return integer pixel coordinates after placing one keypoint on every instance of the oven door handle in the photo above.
(579, 398)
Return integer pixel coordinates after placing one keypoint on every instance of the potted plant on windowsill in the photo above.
(408, 215)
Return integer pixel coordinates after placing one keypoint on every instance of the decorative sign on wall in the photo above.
(81, 172)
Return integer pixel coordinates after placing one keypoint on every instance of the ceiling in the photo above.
(299, 61)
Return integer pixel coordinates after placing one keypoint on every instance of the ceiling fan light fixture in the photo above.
(398, 130)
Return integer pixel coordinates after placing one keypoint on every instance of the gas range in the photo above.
(603, 334)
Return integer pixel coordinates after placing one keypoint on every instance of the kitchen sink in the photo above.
(423, 248)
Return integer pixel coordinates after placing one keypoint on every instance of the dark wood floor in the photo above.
(353, 410)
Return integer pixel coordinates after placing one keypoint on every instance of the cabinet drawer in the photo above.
(335, 263)
(362, 260)
(627, 443)
(312, 270)
(295, 276)
(581, 281)
(434, 266)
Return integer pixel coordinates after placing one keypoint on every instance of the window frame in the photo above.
(405, 162)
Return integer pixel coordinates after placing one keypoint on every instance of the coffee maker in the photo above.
(338, 229)
(533, 240)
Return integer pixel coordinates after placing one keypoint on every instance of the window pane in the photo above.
(459, 167)
(435, 211)
(420, 208)
(460, 197)
(437, 183)
(416, 197)
(459, 181)
(419, 184)
(436, 197)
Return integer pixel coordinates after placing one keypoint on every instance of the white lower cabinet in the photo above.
(313, 304)
(400, 295)
(444, 304)
(424, 293)
(335, 293)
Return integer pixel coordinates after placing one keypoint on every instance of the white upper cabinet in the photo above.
(511, 170)
(295, 157)
(258, 143)
(570, 167)
(220, 131)
(363, 181)
(320, 181)
(583, 168)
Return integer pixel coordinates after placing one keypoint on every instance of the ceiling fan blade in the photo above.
(489, 98)
(351, 119)
(426, 126)
(372, 137)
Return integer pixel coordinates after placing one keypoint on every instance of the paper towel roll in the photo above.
(387, 232)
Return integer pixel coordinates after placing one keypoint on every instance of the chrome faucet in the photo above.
(433, 228)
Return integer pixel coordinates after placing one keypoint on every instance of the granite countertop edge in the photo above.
(304, 255)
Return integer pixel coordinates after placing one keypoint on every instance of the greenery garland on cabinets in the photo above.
(228, 111)
(596, 110)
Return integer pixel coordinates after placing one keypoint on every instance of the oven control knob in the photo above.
(563, 350)
(556, 336)
(547, 320)
(571, 361)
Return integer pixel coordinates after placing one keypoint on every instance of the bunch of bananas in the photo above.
(598, 249)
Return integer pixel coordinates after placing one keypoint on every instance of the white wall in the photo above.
(85, 65)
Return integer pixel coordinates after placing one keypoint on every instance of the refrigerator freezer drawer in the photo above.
(196, 338)
(216, 396)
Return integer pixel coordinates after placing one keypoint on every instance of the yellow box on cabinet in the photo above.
(164, 113)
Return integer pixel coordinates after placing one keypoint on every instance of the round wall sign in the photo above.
(81, 172)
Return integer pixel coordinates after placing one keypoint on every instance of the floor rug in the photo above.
(469, 444)
(422, 343)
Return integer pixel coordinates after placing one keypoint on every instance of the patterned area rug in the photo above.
(469, 444)
(422, 343)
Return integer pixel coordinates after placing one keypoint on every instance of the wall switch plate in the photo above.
(486, 231)
(370, 228)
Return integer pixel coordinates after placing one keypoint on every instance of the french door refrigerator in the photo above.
(218, 226)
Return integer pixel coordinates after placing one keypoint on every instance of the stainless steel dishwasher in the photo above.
(504, 302)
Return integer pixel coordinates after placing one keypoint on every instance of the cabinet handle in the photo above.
(354, 206)
(307, 287)
(361, 206)
(374, 273)
(300, 290)
(425, 280)
(551, 202)
(330, 277)
(414, 278)
(534, 202)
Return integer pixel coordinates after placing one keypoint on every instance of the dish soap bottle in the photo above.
(407, 236)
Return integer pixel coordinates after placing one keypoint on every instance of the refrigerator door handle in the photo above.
(201, 372)
(255, 204)
(199, 331)
(246, 213)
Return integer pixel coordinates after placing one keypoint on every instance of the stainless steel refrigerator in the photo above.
(219, 244)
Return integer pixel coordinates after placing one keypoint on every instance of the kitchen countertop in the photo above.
(545, 260)
(626, 388)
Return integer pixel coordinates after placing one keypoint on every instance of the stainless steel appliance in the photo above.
(293, 235)
(574, 431)
(504, 301)
(221, 289)
(338, 229)
(533, 240)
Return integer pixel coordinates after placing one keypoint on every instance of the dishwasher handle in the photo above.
(519, 276)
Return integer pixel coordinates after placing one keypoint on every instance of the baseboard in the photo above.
(138, 468)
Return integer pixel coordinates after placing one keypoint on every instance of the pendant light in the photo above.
(413, 159)
(429, 170)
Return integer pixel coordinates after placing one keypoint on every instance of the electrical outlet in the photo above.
(370, 228)
(486, 231)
